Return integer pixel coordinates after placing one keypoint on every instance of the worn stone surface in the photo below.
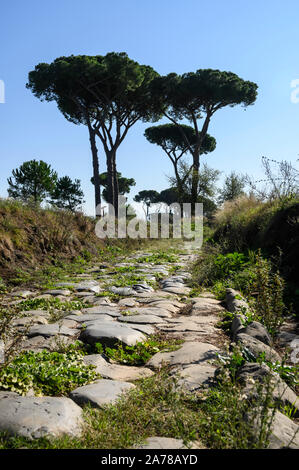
(89, 285)
(187, 325)
(35, 417)
(116, 371)
(279, 389)
(24, 294)
(171, 307)
(257, 331)
(285, 433)
(121, 290)
(159, 312)
(205, 305)
(55, 292)
(197, 376)
(234, 303)
(101, 392)
(147, 329)
(146, 319)
(2, 351)
(237, 324)
(177, 290)
(27, 321)
(127, 302)
(36, 313)
(257, 348)
(113, 311)
(90, 317)
(110, 333)
(165, 443)
(52, 329)
(189, 353)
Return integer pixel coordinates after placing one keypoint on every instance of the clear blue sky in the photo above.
(258, 40)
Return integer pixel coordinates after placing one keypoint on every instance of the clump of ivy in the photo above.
(46, 373)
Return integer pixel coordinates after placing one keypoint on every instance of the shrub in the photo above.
(269, 303)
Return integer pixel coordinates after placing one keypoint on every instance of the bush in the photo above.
(269, 288)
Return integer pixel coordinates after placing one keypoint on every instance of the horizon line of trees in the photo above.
(34, 181)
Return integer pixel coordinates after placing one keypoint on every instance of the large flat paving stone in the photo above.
(197, 376)
(56, 292)
(110, 333)
(116, 371)
(52, 329)
(190, 353)
(90, 317)
(146, 319)
(127, 302)
(159, 312)
(188, 326)
(102, 310)
(88, 285)
(177, 290)
(147, 329)
(35, 417)
(100, 393)
(171, 307)
(28, 321)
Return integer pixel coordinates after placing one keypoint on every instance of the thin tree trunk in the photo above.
(95, 165)
(195, 179)
(196, 155)
(179, 183)
(115, 185)
(110, 179)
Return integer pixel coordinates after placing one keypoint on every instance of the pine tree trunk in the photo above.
(95, 165)
(110, 179)
(115, 185)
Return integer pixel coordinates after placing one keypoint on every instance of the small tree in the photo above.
(124, 185)
(174, 143)
(206, 186)
(233, 187)
(168, 196)
(147, 197)
(32, 182)
(67, 194)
